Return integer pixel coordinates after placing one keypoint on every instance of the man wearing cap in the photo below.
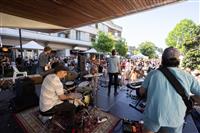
(52, 97)
(165, 110)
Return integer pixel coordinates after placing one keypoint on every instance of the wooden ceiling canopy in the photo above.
(75, 13)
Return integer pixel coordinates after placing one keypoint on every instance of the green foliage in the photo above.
(192, 59)
(193, 43)
(135, 51)
(121, 47)
(183, 31)
(104, 43)
(192, 56)
(148, 49)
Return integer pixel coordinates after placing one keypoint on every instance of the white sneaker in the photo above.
(44, 119)
(101, 120)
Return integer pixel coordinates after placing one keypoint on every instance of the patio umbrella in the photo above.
(91, 51)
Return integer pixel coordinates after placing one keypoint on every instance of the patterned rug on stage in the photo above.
(30, 122)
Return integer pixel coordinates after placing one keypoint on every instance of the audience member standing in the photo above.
(94, 70)
(113, 70)
(128, 70)
(44, 59)
(19, 61)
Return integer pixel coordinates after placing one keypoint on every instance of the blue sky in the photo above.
(154, 25)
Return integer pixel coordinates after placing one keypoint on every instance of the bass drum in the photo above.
(87, 99)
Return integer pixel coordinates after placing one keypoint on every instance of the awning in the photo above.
(14, 21)
(75, 13)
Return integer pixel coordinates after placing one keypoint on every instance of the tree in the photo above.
(192, 59)
(194, 42)
(183, 31)
(148, 49)
(135, 51)
(121, 47)
(104, 43)
(192, 56)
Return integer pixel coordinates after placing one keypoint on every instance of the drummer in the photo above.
(52, 97)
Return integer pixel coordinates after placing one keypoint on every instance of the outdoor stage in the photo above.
(116, 105)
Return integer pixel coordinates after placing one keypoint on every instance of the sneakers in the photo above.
(102, 119)
(44, 119)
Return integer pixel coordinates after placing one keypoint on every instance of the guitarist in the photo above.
(165, 109)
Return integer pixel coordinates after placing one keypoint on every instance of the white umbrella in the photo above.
(139, 56)
(90, 51)
(31, 45)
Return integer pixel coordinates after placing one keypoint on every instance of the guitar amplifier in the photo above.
(25, 95)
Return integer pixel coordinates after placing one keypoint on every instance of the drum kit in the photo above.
(85, 89)
(82, 92)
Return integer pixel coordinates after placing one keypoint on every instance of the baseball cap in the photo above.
(171, 53)
(61, 68)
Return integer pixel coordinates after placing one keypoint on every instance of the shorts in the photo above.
(155, 127)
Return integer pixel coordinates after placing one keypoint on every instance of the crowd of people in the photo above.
(160, 94)
(23, 64)
(165, 109)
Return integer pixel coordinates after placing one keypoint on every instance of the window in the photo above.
(96, 25)
(92, 37)
(61, 35)
(78, 35)
(67, 34)
(116, 34)
(119, 34)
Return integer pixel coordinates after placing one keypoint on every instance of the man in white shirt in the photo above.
(113, 70)
(52, 97)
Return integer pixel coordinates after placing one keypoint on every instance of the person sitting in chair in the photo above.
(52, 97)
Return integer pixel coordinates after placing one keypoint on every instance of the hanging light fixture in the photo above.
(4, 49)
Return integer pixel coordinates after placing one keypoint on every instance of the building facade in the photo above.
(62, 42)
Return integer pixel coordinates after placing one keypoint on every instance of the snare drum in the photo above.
(76, 95)
(69, 83)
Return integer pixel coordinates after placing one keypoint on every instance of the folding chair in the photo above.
(17, 72)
